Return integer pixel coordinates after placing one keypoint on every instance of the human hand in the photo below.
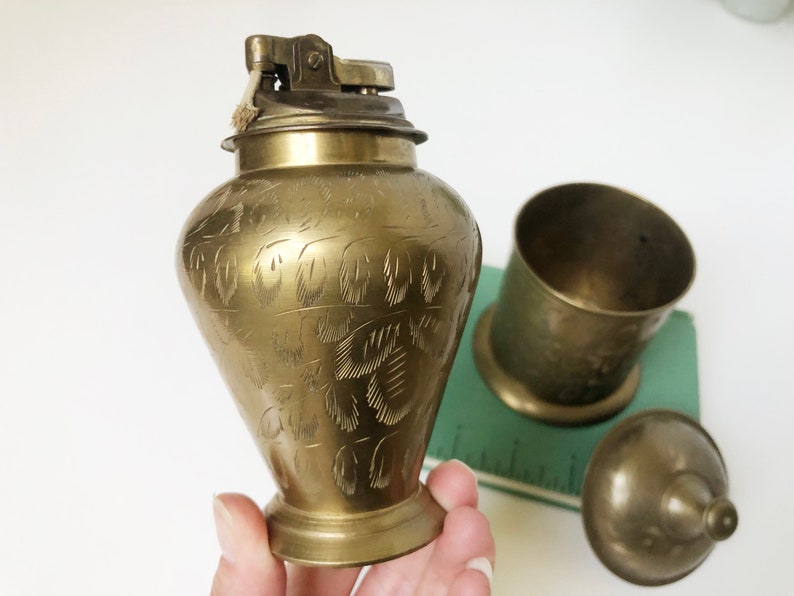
(459, 562)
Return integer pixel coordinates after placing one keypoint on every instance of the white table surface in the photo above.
(115, 428)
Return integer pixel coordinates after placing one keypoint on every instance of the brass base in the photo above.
(355, 539)
(518, 397)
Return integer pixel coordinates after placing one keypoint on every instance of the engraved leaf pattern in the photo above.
(288, 346)
(233, 226)
(344, 343)
(412, 463)
(304, 426)
(424, 329)
(361, 352)
(355, 272)
(254, 368)
(311, 375)
(387, 390)
(397, 275)
(432, 275)
(334, 324)
(308, 199)
(283, 394)
(341, 404)
(267, 209)
(464, 265)
(206, 254)
(226, 274)
(345, 470)
(267, 273)
(196, 266)
(311, 278)
(221, 200)
(426, 216)
(270, 425)
(383, 461)
(220, 221)
(216, 330)
(359, 204)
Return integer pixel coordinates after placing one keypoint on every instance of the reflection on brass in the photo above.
(332, 280)
(654, 499)
(594, 273)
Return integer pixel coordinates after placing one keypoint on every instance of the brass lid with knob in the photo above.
(654, 498)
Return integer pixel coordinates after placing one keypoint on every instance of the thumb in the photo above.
(247, 567)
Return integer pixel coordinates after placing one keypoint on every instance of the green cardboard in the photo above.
(532, 459)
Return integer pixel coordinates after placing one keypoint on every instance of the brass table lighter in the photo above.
(332, 280)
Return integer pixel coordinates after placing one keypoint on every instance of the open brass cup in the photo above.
(594, 273)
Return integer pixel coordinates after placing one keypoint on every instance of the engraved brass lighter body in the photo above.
(332, 280)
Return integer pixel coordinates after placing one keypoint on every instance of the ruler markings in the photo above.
(455, 441)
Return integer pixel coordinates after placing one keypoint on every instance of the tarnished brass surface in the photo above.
(654, 499)
(327, 147)
(594, 273)
(332, 280)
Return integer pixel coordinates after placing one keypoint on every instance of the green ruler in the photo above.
(535, 460)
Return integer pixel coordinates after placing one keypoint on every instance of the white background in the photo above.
(115, 428)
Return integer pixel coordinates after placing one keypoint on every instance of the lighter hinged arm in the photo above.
(307, 63)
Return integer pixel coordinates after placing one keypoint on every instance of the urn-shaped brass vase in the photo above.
(332, 280)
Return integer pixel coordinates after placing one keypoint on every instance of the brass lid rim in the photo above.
(518, 397)
(317, 147)
(407, 132)
(650, 413)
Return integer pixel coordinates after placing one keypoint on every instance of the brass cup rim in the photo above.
(591, 308)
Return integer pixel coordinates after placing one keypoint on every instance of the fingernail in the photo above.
(483, 565)
(465, 465)
(224, 528)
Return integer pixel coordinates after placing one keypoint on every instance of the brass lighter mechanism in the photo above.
(307, 63)
(297, 83)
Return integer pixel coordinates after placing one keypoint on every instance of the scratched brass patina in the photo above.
(332, 280)
(594, 274)
(654, 499)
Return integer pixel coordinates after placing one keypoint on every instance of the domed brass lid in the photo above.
(654, 499)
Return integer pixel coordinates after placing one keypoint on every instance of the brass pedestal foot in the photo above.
(517, 396)
(356, 539)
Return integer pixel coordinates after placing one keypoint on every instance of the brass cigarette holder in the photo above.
(594, 273)
(332, 279)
